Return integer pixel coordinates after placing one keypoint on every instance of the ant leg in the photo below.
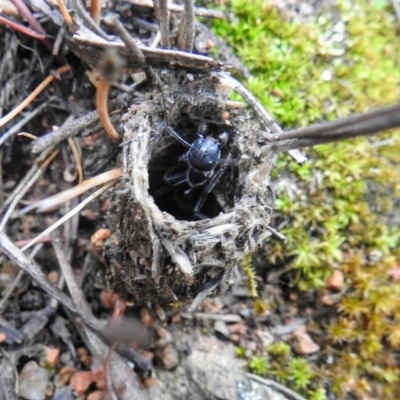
(169, 177)
(178, 137)
(179, 176)
(208, 189)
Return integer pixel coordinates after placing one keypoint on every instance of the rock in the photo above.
(99, 237)
(81, 380)
(336, 280)
(33, 381)
(305, 345)
(211, 371)
(64, 393)
(168, 356)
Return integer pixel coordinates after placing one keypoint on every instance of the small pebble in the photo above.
(33, 381)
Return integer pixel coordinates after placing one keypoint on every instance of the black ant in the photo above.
(201, 169)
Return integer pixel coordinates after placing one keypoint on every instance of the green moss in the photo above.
(334, 217)
(258, 365)
(280, 363)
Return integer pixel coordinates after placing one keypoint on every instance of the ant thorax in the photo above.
(204, 154)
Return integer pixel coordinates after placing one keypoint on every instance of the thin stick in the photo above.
(354, 125)
(131, 45)
(95, 11)
(33, 22)
(19, 276)
(25, 180)
(26, 13)
(65, 13)
(265, 118)
(18, 257)
(162, 13)
(78, 157)
(27, 135)
(277, 386)
(52, 202)
(103, 88)
(22, 243)
(25, 188)
(188, 27)
(59, 39)
(275, 232)
(18, 125)
(21, 28)
(77, 5)
(201, 12)
(1, 180)
(156, 41)
(69, 128)
(67, 216)
(74, 290)
(8, 117)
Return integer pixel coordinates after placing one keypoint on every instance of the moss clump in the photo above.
(323, 69)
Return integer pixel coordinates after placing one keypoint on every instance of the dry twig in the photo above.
(162, 14)
(130, 43)
(74, 290)
(70, 214)
(28, 176)
(371, 122)
(188, 27)
(265, 118)
(18, 125)
(33, 22)
(85, 16)
(201, 12)
(65, 13)
(33, 95)
(69, 128)
(21, 28)
(95, 10)
(78, 157)
(16, 280)
(103, 88)
(25, 188)
(52, 202)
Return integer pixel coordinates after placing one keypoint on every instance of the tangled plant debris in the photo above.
(207, 249)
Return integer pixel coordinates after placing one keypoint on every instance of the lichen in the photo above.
(341, 212)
